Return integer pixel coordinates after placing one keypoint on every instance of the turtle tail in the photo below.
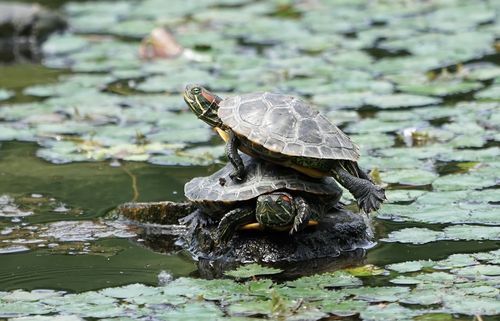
(368, 195)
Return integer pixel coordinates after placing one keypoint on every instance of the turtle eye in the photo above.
(285, 198)
(196, 90)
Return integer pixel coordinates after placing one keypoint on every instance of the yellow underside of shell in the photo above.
(258, 226)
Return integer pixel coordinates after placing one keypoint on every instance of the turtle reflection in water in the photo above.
(272, 197)
(284, 130)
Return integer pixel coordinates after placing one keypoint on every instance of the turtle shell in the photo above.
(262, 177)
(287, 125)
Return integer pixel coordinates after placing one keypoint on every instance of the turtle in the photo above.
(272, 197)
(285, 130)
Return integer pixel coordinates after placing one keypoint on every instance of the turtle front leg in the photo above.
(233, 142)
(302, 216)
(368, 195)
(231, 221)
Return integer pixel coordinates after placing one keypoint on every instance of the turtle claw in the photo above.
(237, 176)
(372, 199)
(195, 220)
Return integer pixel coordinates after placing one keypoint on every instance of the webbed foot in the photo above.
(370, 197)
(195, 220)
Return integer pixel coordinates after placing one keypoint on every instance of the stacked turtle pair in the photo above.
(287, 183)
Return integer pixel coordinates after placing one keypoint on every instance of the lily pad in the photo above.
(409, 177)
(19, 309)
(389, 312)
(345, 308)
(400, 101)
(441, 89)
(250, 270)
(410, 266)
(460, 232)
(5, 94)
(327, 280)
(379, 294)
(472, 305)
(130, 291)
(63, 44)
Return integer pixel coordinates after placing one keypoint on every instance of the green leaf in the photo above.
(63, 44)
(250, 270)
(378, 294)
(326, 280)
(6, 94)
(399, 101)
(344, 308)
(410, 266)
(472, 305)
(389, 312)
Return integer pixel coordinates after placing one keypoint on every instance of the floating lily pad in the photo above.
(8, 208)
(19, 309)
(456, 260)
(250, 270)
(379, 294)
(344, 308)
(400, 101)
(441, 89)
(5, 94)
(389, 312)
(49, 318)
(328, 280)
(463, 182)
(132, 28)
(491, 93)
(130, 291)
(395, 196)
(460, 232)
(410, 266)
(366, 270)
(422, 297)
(409, 177)
(478, 270)
(63, 44)
(472, 305)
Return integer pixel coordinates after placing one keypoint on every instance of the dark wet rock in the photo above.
(336, 233)
(166, 212)
(23, 27)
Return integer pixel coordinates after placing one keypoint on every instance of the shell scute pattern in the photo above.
(287, 125)
(282, 122)
(262, 177)
(293, 148)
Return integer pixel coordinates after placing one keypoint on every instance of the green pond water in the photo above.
(91, 126)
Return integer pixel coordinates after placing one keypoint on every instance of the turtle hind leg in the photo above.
(302, 216)
(231, 221)
(368, 195)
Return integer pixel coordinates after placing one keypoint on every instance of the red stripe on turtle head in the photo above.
(211, 98)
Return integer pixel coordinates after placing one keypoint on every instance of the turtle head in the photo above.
(275, 210)
(203, 103)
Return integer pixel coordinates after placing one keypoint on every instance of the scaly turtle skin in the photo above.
(284, 130)
(272, 196)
